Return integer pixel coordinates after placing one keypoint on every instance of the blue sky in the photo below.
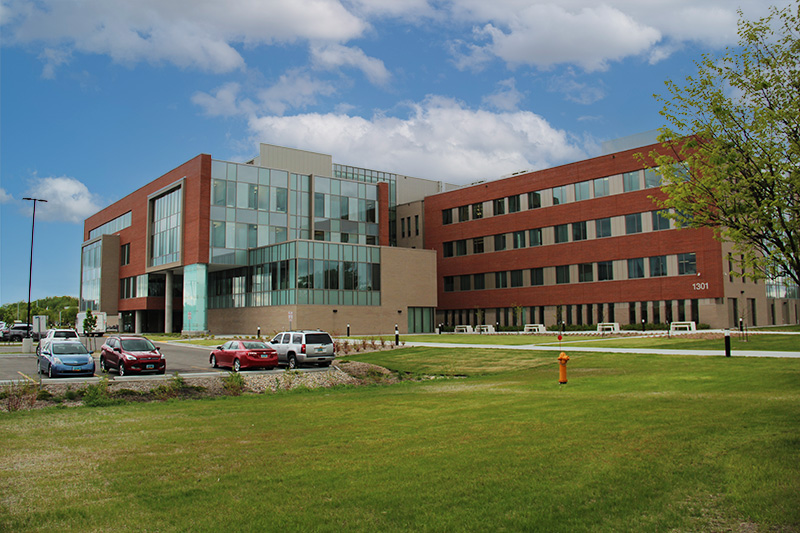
(99, 97)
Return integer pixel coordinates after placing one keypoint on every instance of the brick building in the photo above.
(584, 243)
(288, 239)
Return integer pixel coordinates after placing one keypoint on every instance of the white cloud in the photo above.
(295, 89)
(5, 197)
(506, 97)
(439, 138)
(574, 91)
(68, 200)
(333, 56)
(187, 33)
(547, 35)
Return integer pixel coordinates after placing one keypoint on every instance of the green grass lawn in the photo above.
(631, 443)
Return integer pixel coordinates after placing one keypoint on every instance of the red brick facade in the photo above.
(641, 245)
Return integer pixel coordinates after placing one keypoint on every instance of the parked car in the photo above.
(304, 347)
(16, 332)
(241, 354)
(64, 357)
(128, 353)
(57, 334)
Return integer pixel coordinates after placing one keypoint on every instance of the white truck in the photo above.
(99, 329)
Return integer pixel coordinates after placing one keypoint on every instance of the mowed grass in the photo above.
(631, 443)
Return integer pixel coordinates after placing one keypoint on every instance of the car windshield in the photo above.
(318, 338)
(137, 345)
(65, 334)
(254, 345)
(64, 348)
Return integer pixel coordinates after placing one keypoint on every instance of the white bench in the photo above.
(613, 327)
(683, 326)
(463, 329)
(534, 328)
(486, 328)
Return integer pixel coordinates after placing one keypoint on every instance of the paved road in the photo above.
(181, 358)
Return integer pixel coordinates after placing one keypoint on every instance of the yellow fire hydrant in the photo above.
(562, 368)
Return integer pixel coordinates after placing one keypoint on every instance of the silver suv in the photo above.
(303, 347)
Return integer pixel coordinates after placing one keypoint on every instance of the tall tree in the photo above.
(738, 170)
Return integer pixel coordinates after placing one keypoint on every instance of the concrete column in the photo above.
(168, 303)
(137, 328)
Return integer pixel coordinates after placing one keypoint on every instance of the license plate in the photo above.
(264, 356)
(319, 349)
(76, 369)
(150, 366)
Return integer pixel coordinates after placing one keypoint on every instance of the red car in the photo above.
(131, 354)
(244, 354)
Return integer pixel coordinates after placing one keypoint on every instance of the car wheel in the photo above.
(50, 373)
(103, 367)
(292, 361)
(121, 369)
(236, 365)
(214, 362)
(39, 367)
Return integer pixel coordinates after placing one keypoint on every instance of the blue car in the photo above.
(65, 357)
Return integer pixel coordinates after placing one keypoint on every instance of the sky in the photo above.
(100, 97)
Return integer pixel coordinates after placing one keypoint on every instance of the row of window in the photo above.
(657, 266)
(405, 226)
(112, 226)
(584, 190)
(562, 233)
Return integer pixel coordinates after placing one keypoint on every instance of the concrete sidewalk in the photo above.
(648, 351)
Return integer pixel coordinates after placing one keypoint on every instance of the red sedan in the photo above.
(244, 354)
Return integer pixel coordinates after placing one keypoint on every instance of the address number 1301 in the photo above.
(700, 286)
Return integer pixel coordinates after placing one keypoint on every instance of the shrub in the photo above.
(233, 384)
(17, 394)
(98, 395)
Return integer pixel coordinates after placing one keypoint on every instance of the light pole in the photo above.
(30, 272)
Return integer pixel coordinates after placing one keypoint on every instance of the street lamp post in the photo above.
(30, 272)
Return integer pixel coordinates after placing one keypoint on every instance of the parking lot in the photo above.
(187, 360)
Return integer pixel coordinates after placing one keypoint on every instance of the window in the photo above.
(499, 206)
(602, 227)
(447, 249)
(636, 268)
(605, 271)
(651, 178)
(583, 190)
(630, 181)
(217, 234)
(633, 223)
(461, 247)
(518, 238)
(516, 278)
(562, 274)
(501, 280)
(500, 242)
(534, 200)
(448, 284)
(535, 237)
(660, 222)
(402, 227)
(477, 245)
(416, 225)
(447, 216)
(559, 195)
(601, 187)
(537, 276)
(586, 272)
(579, 231)
(465, 283)
(165, 222)
(514, 203)
(479, 282)
(125, 254)
(687, 264)
(562, 233)
(477, 211)
(658, 266)
(463, 213)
